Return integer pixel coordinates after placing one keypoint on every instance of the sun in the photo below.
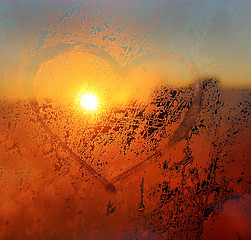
(89, 101)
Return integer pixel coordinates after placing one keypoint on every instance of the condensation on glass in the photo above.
(164, 155)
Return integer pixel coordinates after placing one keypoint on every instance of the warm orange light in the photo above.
(89, 101)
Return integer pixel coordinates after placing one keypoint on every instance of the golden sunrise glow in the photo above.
(89, 101)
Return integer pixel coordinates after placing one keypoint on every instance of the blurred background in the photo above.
(212, 36)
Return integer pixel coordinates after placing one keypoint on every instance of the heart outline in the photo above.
(51, 52)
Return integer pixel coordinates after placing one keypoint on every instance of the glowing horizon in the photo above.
(203, 37)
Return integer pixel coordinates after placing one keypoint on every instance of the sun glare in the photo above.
(89, 101)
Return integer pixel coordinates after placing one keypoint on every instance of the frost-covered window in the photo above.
(124, 119)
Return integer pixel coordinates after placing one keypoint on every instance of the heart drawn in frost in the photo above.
(49, 53)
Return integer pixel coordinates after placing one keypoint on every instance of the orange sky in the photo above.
(175, 39)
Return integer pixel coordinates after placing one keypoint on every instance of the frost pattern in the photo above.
(69, 174)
